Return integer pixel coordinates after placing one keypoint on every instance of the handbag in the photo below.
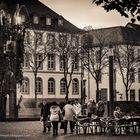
(48, 123)
(60, 116)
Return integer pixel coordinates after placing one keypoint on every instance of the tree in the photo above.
(124, 7)
(127, 61)
(67, 48)
(95, 56)
(37, 48)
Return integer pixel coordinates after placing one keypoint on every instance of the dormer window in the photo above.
(42, 20)
(48, 21)
(35, 19)
(60, 22)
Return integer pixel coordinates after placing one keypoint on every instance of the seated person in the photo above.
(117, 113)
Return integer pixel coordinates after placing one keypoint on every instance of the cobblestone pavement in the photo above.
(33, 131)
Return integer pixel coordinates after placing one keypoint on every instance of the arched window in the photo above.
(51, 86)
(39, 86)
(62, 86)
(75, 86)
(25, 86)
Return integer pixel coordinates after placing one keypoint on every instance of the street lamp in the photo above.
(111, 89)
(12, 28)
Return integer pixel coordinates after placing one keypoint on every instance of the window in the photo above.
(75, 62)
(75, 40)
(39, 38)
(51, 86)
(51, 39)
(39, 63)
(26, 61)
(39, 86)
(62, 62)
(51, 61)
(35, 19)
(132, 75)
(139, 75)
(48, 21)
(75, 86)
(63, 40)
(62, 86)
(43, 20)
(25, 86)
(132, 95)
(97, 56)
(28, 37)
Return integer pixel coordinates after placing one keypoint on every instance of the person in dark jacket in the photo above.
(45, 112)
(100, 108)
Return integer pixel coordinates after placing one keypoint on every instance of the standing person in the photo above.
(94, 108)
(45, 107)
(90, 107)
(77, 107)
(100, 108)
(55, 112)
(69, 116)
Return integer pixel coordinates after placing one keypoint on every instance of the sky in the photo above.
(83, 13)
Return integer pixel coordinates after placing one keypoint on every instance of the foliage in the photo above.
(127, 60)
(37, 48)
(124, 7)
(67, 48)
(95, 56)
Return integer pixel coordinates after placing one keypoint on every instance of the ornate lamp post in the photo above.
(12, 28)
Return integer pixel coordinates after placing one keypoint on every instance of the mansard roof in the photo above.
(35, 7)
(119, 35)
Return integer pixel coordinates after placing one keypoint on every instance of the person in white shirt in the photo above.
(69, 116)
(77, 107)
(54, 117)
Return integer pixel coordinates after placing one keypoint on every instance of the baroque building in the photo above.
(125, 42)
(47, 43)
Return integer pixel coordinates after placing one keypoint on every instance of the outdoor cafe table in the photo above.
(87, 125)
(121, 126)
(108, 125)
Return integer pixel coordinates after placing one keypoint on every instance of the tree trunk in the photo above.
(97, 91)
(126, 92)
(67, 95)
(2, 106)
(35, 78)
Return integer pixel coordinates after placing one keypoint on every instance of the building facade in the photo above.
(44, 57)
(126, 40)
